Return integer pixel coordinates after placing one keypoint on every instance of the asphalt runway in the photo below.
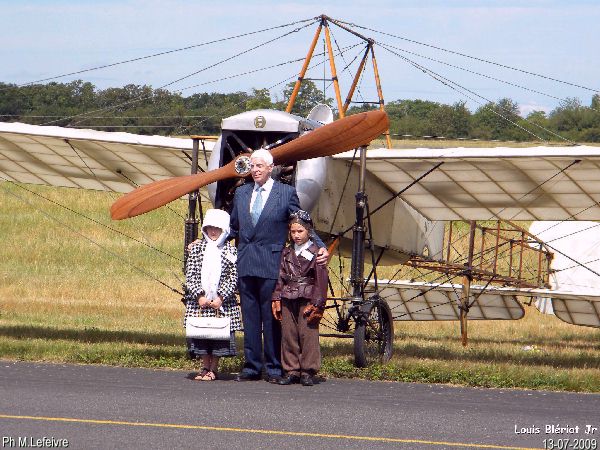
(97, 407)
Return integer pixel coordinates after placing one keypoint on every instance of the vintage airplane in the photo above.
(395, 226)
(379, 207)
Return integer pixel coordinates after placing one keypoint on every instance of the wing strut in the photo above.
(467, 278)
(194, 204)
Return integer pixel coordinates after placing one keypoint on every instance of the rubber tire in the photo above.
(368, 350)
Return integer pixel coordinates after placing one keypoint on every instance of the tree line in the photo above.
(143, 110)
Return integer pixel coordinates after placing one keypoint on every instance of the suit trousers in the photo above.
(300, 349)
(260, 327)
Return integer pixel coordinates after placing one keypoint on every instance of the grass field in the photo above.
(64, 298)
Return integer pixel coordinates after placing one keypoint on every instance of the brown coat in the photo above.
(301, 278)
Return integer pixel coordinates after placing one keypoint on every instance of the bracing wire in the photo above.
(210, 66)
(526, 194)
(91, 219)
(347, 65)
(531, 191)
(582, 265)
(474, 72)
(337, 208)
(122, 174)
(293, 77)
(461, 89)
(160, 53)
(415, 66)
(473, 57)
(73, 230)
(204, 117)
(167, 117)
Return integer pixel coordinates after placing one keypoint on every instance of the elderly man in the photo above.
(259, 219)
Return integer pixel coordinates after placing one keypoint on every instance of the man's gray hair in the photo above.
(264, 155)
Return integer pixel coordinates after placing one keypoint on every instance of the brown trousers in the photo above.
(300, 349)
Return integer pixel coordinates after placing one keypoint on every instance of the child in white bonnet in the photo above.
(211, 280)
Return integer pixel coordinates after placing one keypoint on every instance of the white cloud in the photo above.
(528, 108)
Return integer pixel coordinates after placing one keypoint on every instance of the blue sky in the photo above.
(556, 38)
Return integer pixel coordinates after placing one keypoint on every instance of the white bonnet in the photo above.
(217, 218)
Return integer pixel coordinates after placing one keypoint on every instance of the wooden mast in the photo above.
(336, 85)
(342, 107)
(356, 79)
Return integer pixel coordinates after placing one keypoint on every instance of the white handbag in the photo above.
(216, 328)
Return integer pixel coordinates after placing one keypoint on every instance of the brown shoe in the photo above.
(289, 379)
(307, 380)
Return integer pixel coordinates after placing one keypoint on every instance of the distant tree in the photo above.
(568, 115)
(142, 109)
(425, 118)
(13, 102)
(213, 108)
(538, 117)
(577, 122)
(439, 121)
(364, 107)
(413, 117)
(57, 99)
(420, 109)
(131, 96)
(590, 135)
(593, 134)
(538, 123)
(259, 99)
(460, 120)
(496, 120)
(308, 97)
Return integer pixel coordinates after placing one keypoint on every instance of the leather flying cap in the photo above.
(302, 217)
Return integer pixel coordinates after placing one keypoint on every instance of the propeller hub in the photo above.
(242, 165)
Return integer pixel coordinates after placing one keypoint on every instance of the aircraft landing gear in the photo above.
(369, 319)
(374, 333)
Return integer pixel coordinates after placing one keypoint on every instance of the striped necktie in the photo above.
(257, 206)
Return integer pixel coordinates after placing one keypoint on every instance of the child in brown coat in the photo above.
(299, 302)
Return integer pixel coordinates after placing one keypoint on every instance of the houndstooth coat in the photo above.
(227, 284)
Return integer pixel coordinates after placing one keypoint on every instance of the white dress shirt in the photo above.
(268, 186)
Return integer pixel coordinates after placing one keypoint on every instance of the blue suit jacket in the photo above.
(260, 246)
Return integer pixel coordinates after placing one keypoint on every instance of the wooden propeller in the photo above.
(336, 137)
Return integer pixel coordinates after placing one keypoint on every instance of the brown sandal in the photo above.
(201, 374)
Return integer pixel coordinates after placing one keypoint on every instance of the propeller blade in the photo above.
(159, 193)
(339, 136)
(336, 137)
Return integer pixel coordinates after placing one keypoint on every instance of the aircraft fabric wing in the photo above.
(577, 308)
(534, 183)
(420, 301)
(89, 159)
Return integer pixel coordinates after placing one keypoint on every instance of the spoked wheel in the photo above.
(374, 333)
(338, 320)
